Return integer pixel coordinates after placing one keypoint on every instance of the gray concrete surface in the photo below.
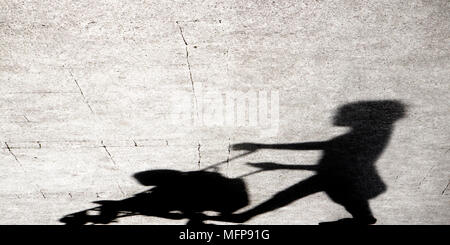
(90, 89)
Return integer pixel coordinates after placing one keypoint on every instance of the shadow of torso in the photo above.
(347, 168)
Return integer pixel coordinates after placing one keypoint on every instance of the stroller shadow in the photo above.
(175, 195)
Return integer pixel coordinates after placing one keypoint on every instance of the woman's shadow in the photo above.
(346, 171)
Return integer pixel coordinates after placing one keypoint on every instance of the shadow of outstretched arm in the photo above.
(319, 145)
(267, 166)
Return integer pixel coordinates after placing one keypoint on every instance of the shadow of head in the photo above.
(370, 113)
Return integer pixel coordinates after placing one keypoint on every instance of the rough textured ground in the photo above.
(89, 90)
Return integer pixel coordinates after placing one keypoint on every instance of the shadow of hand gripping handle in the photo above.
(266, 166)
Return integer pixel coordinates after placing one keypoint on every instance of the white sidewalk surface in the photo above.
(94, 91)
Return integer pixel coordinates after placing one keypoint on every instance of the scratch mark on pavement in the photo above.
(189, 67)
(12, 153)
(81, 92)
(109, 154)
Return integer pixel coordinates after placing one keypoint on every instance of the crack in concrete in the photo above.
(81, 92)
(445, 189)
(81, 144)
(199, 154)
(228, 158)
(426, 175)
(43, 92)
(12, 153)
(26, 118)
(229, 152)
(120, 189)
(109, 154)
(182, 35)
(42, 193)
(189, 68)
(20, 164)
